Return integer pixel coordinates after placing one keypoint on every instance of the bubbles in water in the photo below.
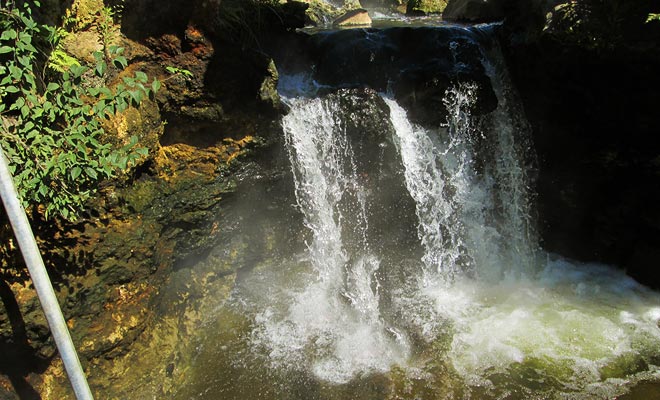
(479, 301)
(333, 325)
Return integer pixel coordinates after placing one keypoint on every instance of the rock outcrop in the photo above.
(385, 60)
(596, 139)
(473, 11)
(219, 99)
(357, 17)
(425, 7)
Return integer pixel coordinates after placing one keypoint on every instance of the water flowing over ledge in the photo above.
(418, 259)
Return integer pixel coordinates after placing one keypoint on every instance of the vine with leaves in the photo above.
(51, 119)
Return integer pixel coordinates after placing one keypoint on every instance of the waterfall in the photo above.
(420, 254)
(469, 221)
(339, 309)
(440, 229)
(513, 151)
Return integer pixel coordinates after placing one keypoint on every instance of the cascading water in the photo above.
(339, 309)
(419, 264)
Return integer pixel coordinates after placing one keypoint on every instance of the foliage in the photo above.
(179, 71)
(106, 29)
(51, 120)
(653, 17)
(59, 60)
(600, 23)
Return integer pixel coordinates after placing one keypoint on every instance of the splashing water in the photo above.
(478, 298)
(339, 310)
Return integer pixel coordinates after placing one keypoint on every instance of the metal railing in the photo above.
(42, 284)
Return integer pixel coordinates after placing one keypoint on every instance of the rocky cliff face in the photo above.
(596, 138)
(592, 111)
(589, 92)
(108, 266)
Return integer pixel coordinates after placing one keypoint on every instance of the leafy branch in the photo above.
(51, 128)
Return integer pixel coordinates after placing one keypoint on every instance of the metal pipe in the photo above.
(42, 284)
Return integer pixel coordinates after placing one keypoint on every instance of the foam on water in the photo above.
(332, 325)
(574, 324)
(506, 314)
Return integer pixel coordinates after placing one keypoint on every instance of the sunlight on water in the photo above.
(573, 323)
(335, 317)
(477, 310)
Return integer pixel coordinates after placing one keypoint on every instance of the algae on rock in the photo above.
(424, 7)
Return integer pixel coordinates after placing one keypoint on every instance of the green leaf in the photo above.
(106, 92)
(77, 70)
(16, 73)
(122, 162)
(91, 173)
(155, 85)
(75, 172)
(11, 89)
(120, 62)
(9, 34)
(52, 86)
(141, 76)
(101, 68)
(24, 38)
(24, 61)
(43, 189)
(136, 95)
(20, 102)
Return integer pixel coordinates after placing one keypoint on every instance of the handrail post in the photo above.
(42, 284)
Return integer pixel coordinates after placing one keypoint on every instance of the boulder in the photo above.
(385, 60)
(320, 13)
(424, 7)
(473, 11)
(358, 17)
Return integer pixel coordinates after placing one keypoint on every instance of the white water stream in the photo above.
(483, 301)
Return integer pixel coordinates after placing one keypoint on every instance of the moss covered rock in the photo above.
(424, 7)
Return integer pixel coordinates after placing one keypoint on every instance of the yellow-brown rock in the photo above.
(359, 17)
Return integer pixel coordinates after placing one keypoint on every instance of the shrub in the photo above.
(51, 118)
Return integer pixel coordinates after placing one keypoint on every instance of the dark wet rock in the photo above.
(217, 43)
(473, 10)
(108, 267)
(599, 177)
(366, 118)
(385, 60)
